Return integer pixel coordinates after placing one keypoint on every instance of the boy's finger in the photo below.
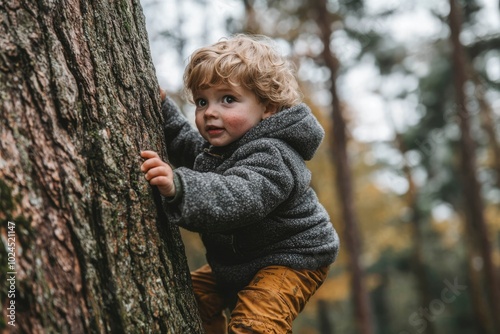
(151, 163)
(163, 95)
(157, 171)
(159, 181)
(149, 154)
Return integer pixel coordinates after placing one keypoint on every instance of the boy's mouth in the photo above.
(213, 130)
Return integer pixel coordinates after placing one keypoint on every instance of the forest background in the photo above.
(411, 174)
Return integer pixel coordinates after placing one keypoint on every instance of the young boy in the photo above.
(242, 183)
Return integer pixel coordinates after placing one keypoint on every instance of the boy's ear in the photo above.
(271, 109)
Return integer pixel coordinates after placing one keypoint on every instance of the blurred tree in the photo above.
(474, 206)
(352, 238)
(79, 100)
(488, 123)
(417, 218)
(325, 326)
(434, 142)
(251, 24)
(176, 36)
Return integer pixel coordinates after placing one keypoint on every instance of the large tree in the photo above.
(79, 100)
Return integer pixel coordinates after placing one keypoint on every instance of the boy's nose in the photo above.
(210, 111)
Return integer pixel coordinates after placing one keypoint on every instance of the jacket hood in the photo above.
(296, 126)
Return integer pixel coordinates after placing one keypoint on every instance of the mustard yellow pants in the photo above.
(269, 304)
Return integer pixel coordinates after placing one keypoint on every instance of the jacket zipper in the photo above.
(207, 151)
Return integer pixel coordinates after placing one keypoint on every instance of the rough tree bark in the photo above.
(79, 99)
(352, 239)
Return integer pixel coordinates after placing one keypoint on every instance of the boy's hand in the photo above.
(158, 173)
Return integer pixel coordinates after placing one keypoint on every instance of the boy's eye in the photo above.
(228, 99)
(200, 102)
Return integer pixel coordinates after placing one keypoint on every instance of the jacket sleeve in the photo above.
(183, 142)
(243, 194)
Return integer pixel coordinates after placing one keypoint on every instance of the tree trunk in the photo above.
(488, 123)
(472, 189)
(352, 237)
(479, 303)
(325, 325)
(251, 24)
(417, 218)
(79, 100)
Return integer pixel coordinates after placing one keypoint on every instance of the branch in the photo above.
(489, 42)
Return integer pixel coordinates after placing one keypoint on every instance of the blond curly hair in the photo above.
(248, 61)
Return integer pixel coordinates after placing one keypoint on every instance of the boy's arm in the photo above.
(244, 194)
(184, 143)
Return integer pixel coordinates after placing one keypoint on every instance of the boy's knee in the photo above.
(209, 306)
(261, 312)
(261, 326)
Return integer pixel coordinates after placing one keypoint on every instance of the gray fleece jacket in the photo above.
(251, 200)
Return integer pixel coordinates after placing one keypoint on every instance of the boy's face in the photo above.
(225, 113)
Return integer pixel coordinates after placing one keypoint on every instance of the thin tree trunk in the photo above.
(472, 189)
(418, 240)
(488, 123)
(79, 100)
(483, 323)
(325, 325)
(252, 25)
(352, 238)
